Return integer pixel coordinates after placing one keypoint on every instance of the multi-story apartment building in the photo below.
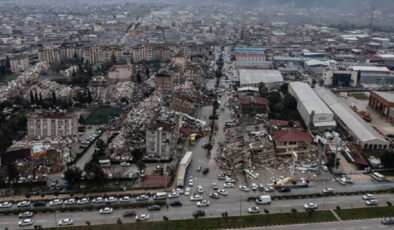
(164, 81)
(52, 125)
(19, 64)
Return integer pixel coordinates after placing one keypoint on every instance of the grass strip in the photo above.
(365, 213)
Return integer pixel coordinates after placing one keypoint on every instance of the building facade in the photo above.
(164, 81)
(52, 125)
(19, 64)
(383, 103)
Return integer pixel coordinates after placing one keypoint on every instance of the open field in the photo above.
(101, 115)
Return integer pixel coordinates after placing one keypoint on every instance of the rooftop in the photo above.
(370, 68)
(388, 96)
(255, 76)
(249, 50)
(291, 135)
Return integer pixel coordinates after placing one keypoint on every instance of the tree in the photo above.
(89, 99)
(141, 165)
(138, 77)
(137, 154)
(225, 217)
(165, 219)
(35, 97)
(147, 72)
(310, 211)
(41, 101)
(289, 102)
(263, 89)
(81, 120)
(54, 97)
(88, 224)
(284, 88)
(95, 173)
(12, 172)
(387, 159)
(73, 177)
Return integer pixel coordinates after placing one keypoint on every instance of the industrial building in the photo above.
(312, 109)
(351, 124)
(341, 78)
(373, 75)
(253, 77)
(383, 103)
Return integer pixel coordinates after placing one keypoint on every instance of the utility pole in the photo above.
(371, 22)
(322, 147)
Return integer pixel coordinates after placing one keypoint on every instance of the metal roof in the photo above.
(388, 96)
(370, 68)
(255, 76)
(309, 99)
(249, 50)
(361, 129)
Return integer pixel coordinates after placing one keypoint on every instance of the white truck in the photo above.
(263, 199)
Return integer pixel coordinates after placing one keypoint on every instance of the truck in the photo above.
(183, 165)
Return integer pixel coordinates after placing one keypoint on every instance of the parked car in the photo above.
(39, 203)
(98, 200)
(199, 168)
(244, 188)
(198, 213)
(310, 206)
(284, 189)
(129, 213)
(24, 203)
(106, 210)
(26, 214)
(187, 192)
(70, 201)
(229, 185)
(230, 180)
(214, 195)
(176, 203)
(142, 217)
(25, 222)
(222, 192)
(124, 199)
(111, 199)
(191, 183)
(269, 189)
(221, 177)
(142, 197)
(154, 207)
(66, 221)
(215, 186)
(328, 191)
(56, 202)
(83, 201)
(200, 189)
(254, 186)
(261, 187)
(173, 194)
(196, 197)
(205, 171)
(254, 209)
(5, 204)
(388, 221)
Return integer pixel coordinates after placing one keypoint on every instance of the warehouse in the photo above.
(253, 77)
(352, 125)
(315, 113)
(383, 103)
(373, 74)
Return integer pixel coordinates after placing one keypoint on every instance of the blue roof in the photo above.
(249, 50)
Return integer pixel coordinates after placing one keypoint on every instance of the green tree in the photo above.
(289, 102)
(263, 89)
(387, 159)
(284, 88)
(54, 100)
(95, 173)
(138, 77)
(140, 165)
(73, 176)
(137, 154)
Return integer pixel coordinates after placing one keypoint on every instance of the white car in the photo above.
(203, 203)
(26, 214)
(187, 192)
(371, 202)
(230, 180)
(24, 203)
(254, 187)
(56, 202)
(222, 192)
(244, 188)
(5, 204)
(196, 197)
(124, 164)
(70, 201)
(341, 181)
(111, 199)
(200, 189)
(106, 210)
(142, 217)
(191, 183)
(98, 200)
(179, 191)
(228, 185)
(269, 189)
(66, 221)
(124, 199)
(25, 222)
(173, 194)
(214, 195)
(83, 201)
(368, 196)
(254, 209)
(142, 197)
(328, 191)
(215, 186)
(310, 205)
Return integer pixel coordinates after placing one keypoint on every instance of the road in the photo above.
(342, 225)
(229, 204)
(87, 156)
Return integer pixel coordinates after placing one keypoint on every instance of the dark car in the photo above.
(198, 213)
(129, 213)
(154, 207)
(388, 221)
(284, 190)
(205, 171)
(176, 203)
(39, 204)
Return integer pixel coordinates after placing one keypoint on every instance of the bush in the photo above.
(266, 211)
(389, 203)
(293, 210)
(119, 221)
(338, 208)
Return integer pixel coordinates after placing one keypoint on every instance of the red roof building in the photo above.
(291, 140)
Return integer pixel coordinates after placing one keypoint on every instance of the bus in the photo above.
(183, 165)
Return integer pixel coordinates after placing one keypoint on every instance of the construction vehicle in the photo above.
(192, 139)
(365, 115)
(282, 182)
